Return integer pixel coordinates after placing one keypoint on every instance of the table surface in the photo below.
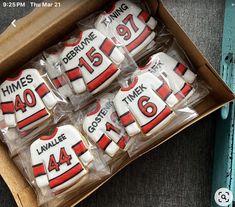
(179, 172)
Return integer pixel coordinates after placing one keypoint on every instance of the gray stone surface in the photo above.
(179, 172)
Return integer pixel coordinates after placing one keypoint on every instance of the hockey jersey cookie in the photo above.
(175, 74)
(128, 24)
(91, 61)
(142, 106)
(54, 70)
(25, 100)
(58, 160)
(103, 127)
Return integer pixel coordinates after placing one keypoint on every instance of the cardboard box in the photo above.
(44, 27)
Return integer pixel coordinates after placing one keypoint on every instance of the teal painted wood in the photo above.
(224, 154)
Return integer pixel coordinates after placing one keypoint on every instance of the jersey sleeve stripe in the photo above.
(59, 81)
(164, 91)
(107, 47)
(38, 170)
(79, 148)
(7, 107)
(74, 74)
(66, 176)
(42, 90)
(122, 142)
(157, 120)
(33, 118)
(180, 69)
(139, 40)
(104, 76)
(184, 91)
(127, 119)
(144, 16)
(104, 142)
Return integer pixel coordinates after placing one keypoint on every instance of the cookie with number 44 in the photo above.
(26, 100)
(145, 105)
(60, 159)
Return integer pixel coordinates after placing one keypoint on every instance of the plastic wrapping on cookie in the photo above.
(102, 126)
(60, 159)
(111, 89)
(28, 103)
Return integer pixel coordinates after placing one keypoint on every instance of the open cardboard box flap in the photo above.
(44, 27)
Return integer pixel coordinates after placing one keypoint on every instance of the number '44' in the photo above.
(64, 158)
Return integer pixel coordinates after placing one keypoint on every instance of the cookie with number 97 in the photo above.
(128, 25)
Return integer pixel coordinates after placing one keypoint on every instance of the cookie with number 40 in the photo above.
(26, 100)
(145, 105)
(60, 159)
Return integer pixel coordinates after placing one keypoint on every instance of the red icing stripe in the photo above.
(79, 148)
(144, 16)
(74, 74)
(42, 90)
(157, 120)
(66, 176)
(104, 76)
(184, 91)
(7, 107)
(104, 142)
(138, 41)
(59, 81)
(35, 117)
(180, 69)
(127, 119)
(122, 142)
(38, 170)
(107, 47)
(164, 91)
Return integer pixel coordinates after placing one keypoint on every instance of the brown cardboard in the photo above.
(42, 28)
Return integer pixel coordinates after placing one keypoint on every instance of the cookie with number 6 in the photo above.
(26, 100)
(145, 105)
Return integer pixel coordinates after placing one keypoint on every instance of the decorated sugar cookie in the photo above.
(26, 100)
(103, 127)
(144, 106)
(128, 24)
(58, 160)
(175, 74)
(91, 61)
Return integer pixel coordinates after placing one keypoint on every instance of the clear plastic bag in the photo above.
(29, 103)
(92, 63)
(121, 83)
(101, 125)
(60, 161)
